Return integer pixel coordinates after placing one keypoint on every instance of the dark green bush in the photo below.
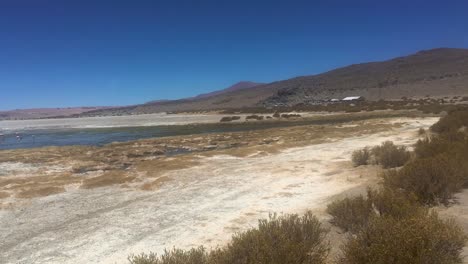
(353, 214)
(350, 214)
(278, 240)
(361, 157)
(229, 118)
(451, 122)
(389, 155)
(255, 117)
(174, 256)
(432, 180)
(421, 238)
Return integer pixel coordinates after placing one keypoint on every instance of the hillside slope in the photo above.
(436, 72)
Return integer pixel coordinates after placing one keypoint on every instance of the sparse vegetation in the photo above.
(353, 214)
(421, 238)
(229, 118)
(254, 117)
(390, 225)
(290, 116)
(277, 240)
(361, 157)
(350, 214)
(389, 155)
(432, 180)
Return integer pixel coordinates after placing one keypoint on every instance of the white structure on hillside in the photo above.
(353, 98)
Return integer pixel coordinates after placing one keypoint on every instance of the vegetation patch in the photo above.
(277, 240)
(106, 179)
(40, 192)
(421, 238)
(388, 155)
(229, 118)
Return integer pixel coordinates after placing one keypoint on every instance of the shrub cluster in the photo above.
(388, 155)
(255, 117)
(432, 180)
(229, 118)
(353, 214)
(290, 116)
(440, 166)
(277, 240)
(421, 238)
(391, 227)
(361, 157)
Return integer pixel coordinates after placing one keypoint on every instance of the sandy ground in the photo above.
(201, 203)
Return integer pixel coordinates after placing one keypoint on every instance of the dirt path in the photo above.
(201, 204)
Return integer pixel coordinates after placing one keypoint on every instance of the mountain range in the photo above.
(437, 73)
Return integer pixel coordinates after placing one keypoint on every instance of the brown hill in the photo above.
(437, 72)
(36, 113)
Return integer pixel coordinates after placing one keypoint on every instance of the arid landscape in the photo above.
(100, 204)
(233, 132)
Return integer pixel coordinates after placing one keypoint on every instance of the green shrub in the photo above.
(421, 132)
(389, 155)
(174, 256)
(350, 214)
(290, 115)
(229, 118)
(432, 180)
(394, 203)
(353, 214)
(361, 157)
(279, 240)
(255, 117)
(451, 122)
(421, 238)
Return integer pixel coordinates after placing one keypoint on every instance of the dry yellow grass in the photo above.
(39, 192)
(106, 179)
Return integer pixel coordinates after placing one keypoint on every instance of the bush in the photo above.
(229, 118)
(432, 180)
(361, 157)
(277, 240)
(451, 122)
(350, 214)
(421, 132)
(353, 214)
(175, 256)
(256, 117)
(290, 115)
(422, 238)
(389, 155)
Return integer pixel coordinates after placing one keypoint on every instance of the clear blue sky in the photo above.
(83, 53)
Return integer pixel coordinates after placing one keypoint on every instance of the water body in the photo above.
(35, 136)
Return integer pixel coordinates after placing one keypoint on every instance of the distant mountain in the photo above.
(235, 87)
(36, 113)
(436, 72)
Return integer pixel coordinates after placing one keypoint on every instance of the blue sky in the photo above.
(83, 53)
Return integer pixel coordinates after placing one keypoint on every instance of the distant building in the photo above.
(353, 98)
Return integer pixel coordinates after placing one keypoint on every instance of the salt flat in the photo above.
(203, 204)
